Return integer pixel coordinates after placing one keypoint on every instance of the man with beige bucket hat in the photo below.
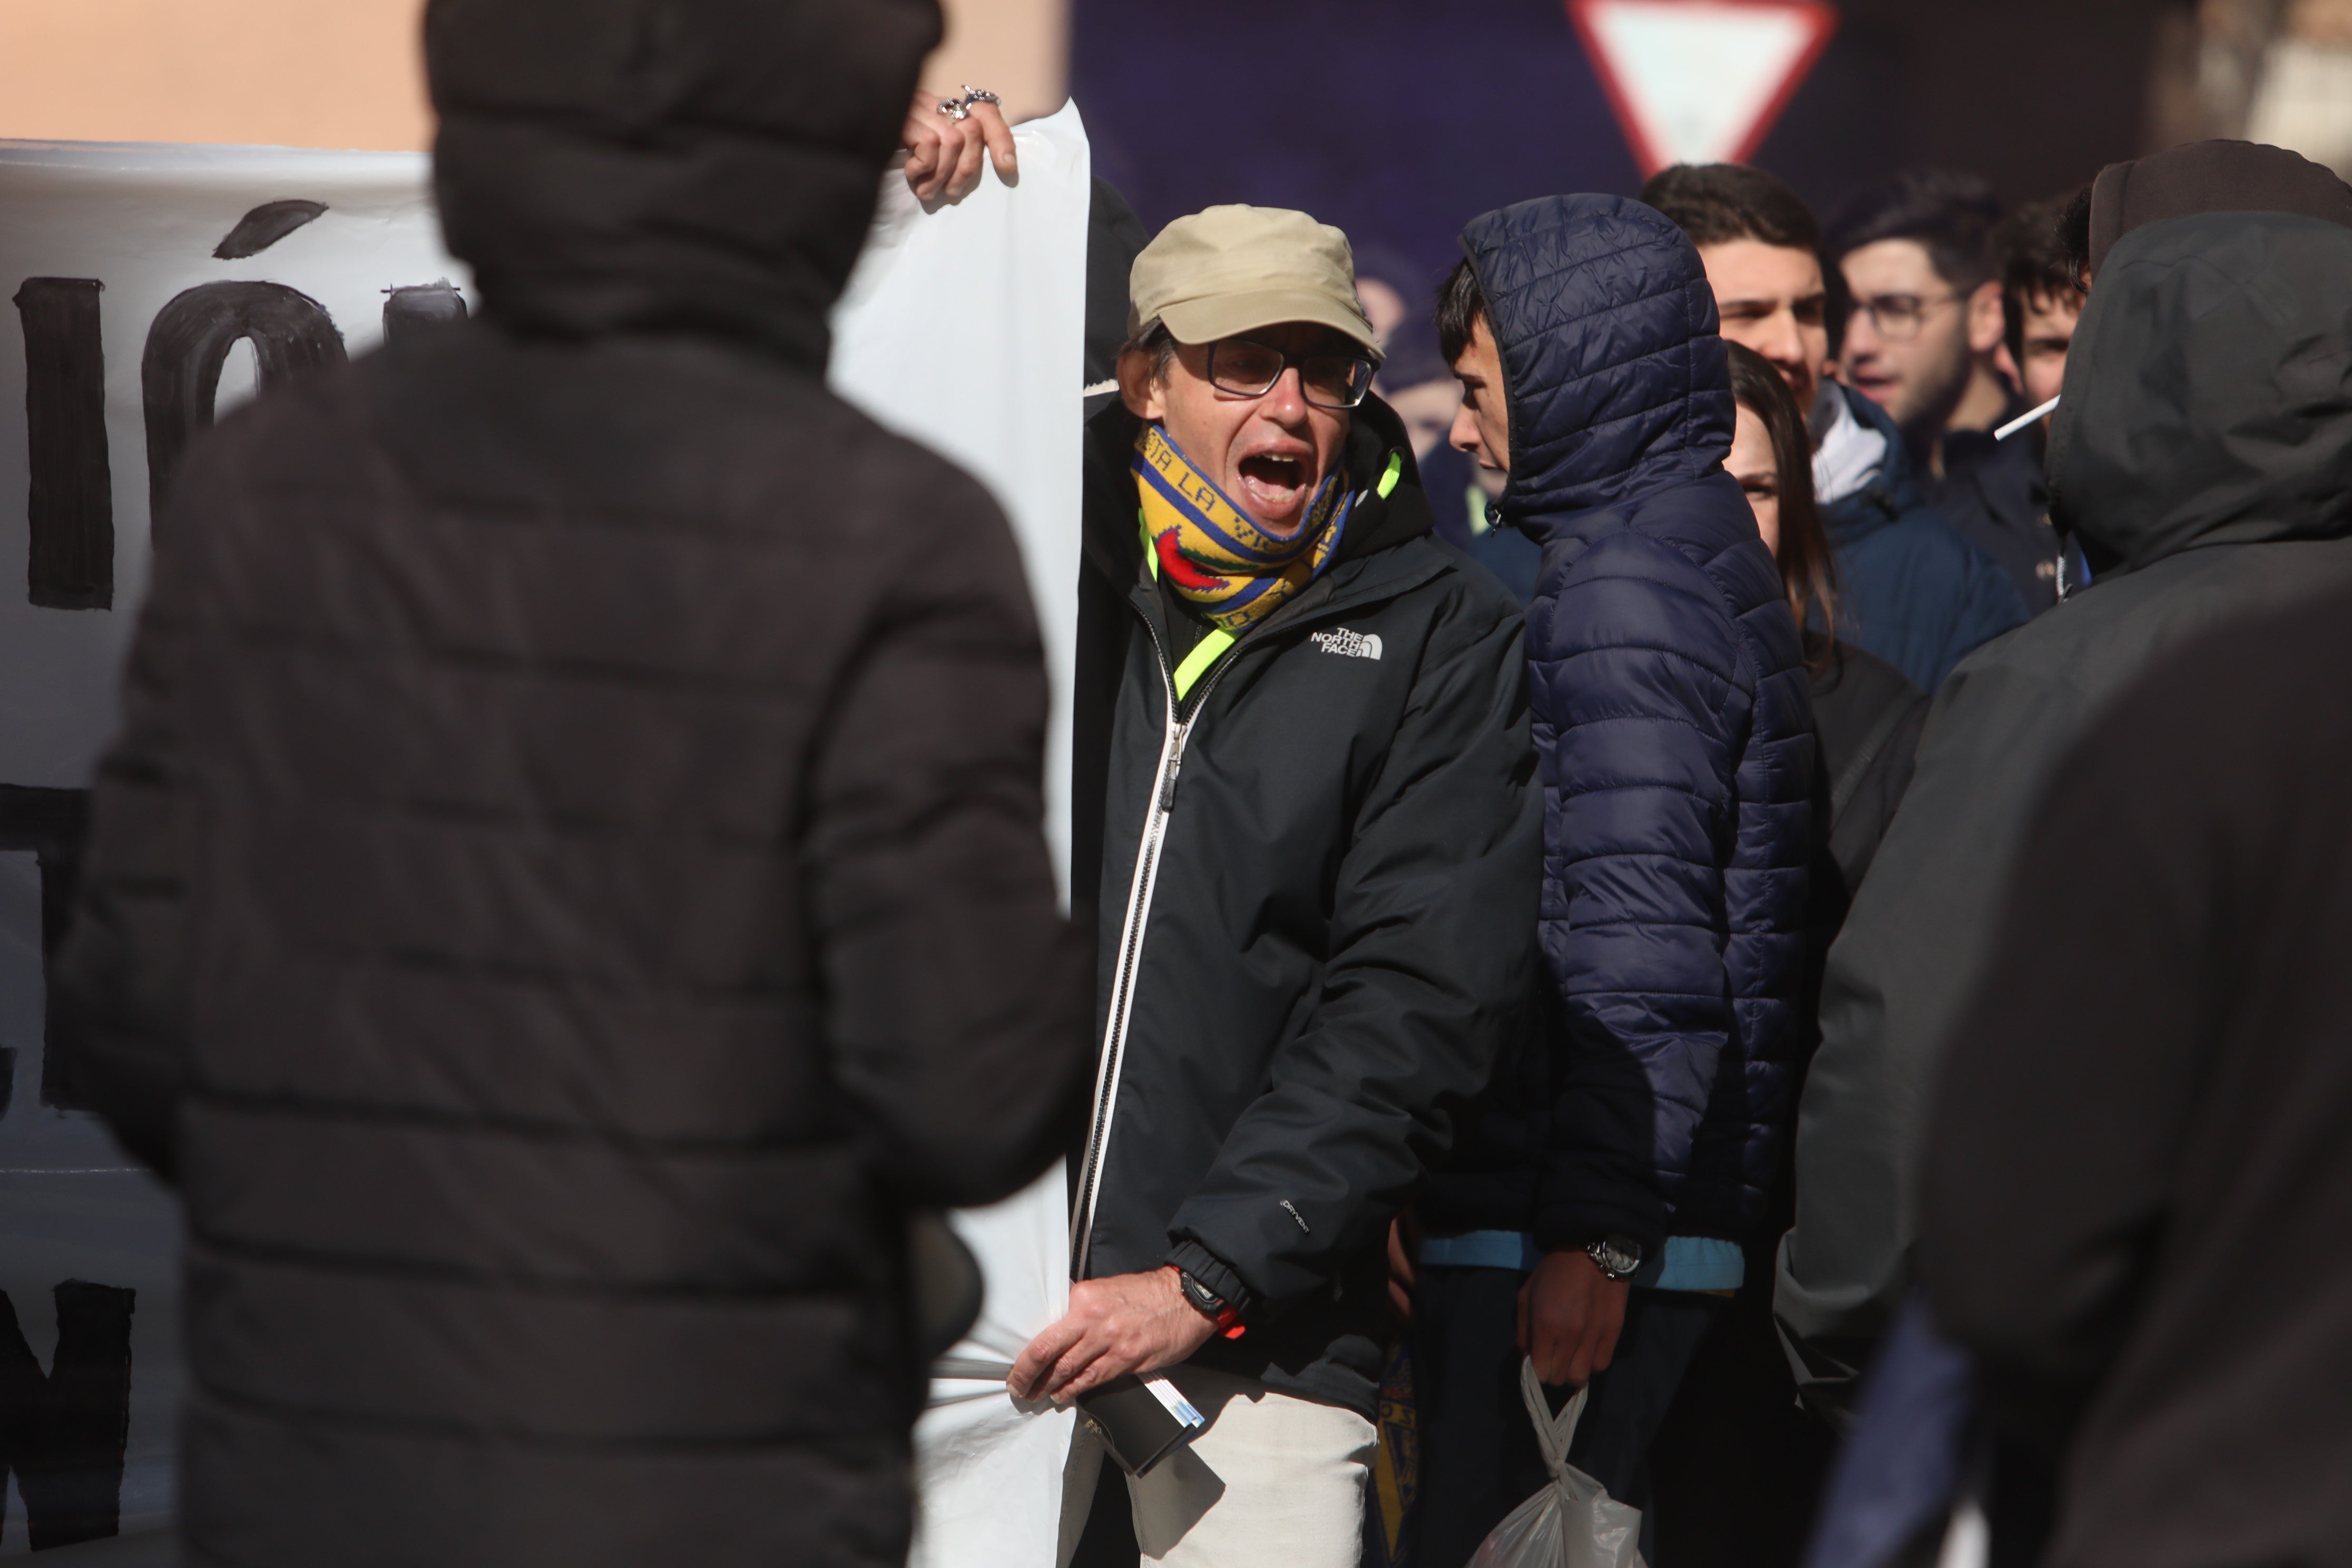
(1305, 834)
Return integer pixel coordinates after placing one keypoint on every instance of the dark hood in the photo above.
(2208, 390)
(645, 165)
(2210, 177)
(1617, 385)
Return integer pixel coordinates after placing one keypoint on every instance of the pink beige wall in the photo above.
(344, 73)
(1019, 49)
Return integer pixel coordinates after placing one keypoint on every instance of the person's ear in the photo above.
(1988, 327)
(1140, 387)
(2005, 365)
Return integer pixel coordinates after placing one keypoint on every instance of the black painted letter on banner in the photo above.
(420, 310)
(264, 226)
(180, 376)
(53, 823)
(71, 564)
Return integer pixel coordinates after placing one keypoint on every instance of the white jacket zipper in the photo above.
(1130, 954)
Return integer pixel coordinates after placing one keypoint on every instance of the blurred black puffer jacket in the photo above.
(571, 875)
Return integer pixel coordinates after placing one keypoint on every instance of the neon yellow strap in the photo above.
(1211, 648)
(1199, 662)
(1480, 524)
(1389, 480)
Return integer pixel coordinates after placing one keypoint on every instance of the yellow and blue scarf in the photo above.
(1212, 551)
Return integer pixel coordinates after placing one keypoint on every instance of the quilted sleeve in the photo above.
(120, 988)
(1640, 711)
(958, 999)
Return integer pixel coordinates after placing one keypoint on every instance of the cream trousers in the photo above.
(1274, 1480)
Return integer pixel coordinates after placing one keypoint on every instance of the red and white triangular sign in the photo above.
(1700, 81)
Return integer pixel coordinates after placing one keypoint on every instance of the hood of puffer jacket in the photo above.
(1617, 383)
(652, 166)
(2208, 397)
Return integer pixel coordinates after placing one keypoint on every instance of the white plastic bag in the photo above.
(1572, 1523)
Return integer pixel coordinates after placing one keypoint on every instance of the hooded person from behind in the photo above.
(2199, 453)
(1621, 1159)
(2201, 177)
(570, 879)
(2136, 1184)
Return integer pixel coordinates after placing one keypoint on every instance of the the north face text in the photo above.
(1349, 645)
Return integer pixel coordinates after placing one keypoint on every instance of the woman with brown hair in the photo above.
(1868, 715)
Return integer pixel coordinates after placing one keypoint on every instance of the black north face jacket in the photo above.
(1313, 876)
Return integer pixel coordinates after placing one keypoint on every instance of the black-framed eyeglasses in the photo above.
(1898, 317)
(1249, 369)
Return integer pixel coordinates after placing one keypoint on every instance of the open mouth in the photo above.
(1274, 486)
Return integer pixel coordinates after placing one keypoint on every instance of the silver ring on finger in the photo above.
(954, 108)
(979, 95)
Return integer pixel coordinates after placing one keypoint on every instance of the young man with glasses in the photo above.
(1307, 834)
(1911, 589)
(1920, 252)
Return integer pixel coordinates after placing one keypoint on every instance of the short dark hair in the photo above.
(1461, 304)
(1952, 215)
(2074, 238)
(2035, 269)
(1159, 342)
(1713, 204)
(1807, 568)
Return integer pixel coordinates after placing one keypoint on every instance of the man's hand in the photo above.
(1569, 1316)
(943, 154)
(1130, 1322)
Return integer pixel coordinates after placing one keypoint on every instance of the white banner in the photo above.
(966, 330)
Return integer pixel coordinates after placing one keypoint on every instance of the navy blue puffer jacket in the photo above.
(1671, 713)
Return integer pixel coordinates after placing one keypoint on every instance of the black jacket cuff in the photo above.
(1205, 1266)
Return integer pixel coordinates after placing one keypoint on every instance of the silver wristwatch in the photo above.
(1618, 1257)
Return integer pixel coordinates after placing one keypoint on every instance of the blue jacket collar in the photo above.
(1891, 494)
